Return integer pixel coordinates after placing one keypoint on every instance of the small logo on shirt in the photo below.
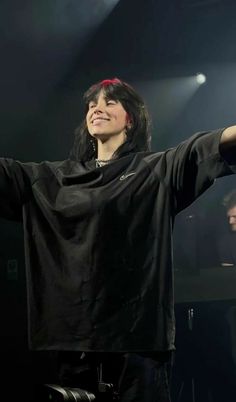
(125, 176)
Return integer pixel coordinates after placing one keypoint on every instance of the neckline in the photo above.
(101, 162)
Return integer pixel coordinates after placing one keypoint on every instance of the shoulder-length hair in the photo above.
(138, 137)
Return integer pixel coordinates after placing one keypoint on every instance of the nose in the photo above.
(99, 107)
(97, 110)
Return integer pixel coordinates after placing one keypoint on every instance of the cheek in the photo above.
(123, 119)
(87, 119)
(88, 125)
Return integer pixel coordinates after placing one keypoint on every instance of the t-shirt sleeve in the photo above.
(15, 187)
(192, 167)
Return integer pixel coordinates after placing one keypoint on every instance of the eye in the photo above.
(92, 105)
(111, 102)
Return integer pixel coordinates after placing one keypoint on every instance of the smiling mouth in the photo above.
(98, 119)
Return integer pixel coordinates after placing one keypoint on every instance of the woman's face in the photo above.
(106, 117)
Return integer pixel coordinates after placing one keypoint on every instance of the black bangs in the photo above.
(111, 91)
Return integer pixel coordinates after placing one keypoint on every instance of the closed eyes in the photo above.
(108, 102)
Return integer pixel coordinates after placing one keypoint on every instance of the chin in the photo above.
(101, 136)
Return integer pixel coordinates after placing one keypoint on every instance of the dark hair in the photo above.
(229, 200)
(138, 137)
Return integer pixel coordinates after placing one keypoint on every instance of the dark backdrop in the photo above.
(51, 51)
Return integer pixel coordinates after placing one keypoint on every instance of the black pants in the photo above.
(135, 377)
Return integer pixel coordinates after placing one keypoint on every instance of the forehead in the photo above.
(99, 95)
(232, 211)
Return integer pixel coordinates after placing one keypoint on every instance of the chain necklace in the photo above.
(100, 162)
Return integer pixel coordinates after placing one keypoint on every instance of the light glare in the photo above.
(200, 78)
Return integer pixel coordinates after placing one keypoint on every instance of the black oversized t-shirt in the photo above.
(98, 243)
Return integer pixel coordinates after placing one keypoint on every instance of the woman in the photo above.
(98, 242)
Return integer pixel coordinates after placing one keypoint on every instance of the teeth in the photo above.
(98, 119)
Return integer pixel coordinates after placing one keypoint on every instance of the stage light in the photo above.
(200, 78)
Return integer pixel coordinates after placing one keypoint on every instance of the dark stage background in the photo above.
(51, 51)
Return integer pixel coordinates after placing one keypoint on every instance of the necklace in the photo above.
(101, 162)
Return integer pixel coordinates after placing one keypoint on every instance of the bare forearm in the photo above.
(228, 137)
(228, 144)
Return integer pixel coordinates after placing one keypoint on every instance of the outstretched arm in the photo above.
(228, 144)
(228, 137)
